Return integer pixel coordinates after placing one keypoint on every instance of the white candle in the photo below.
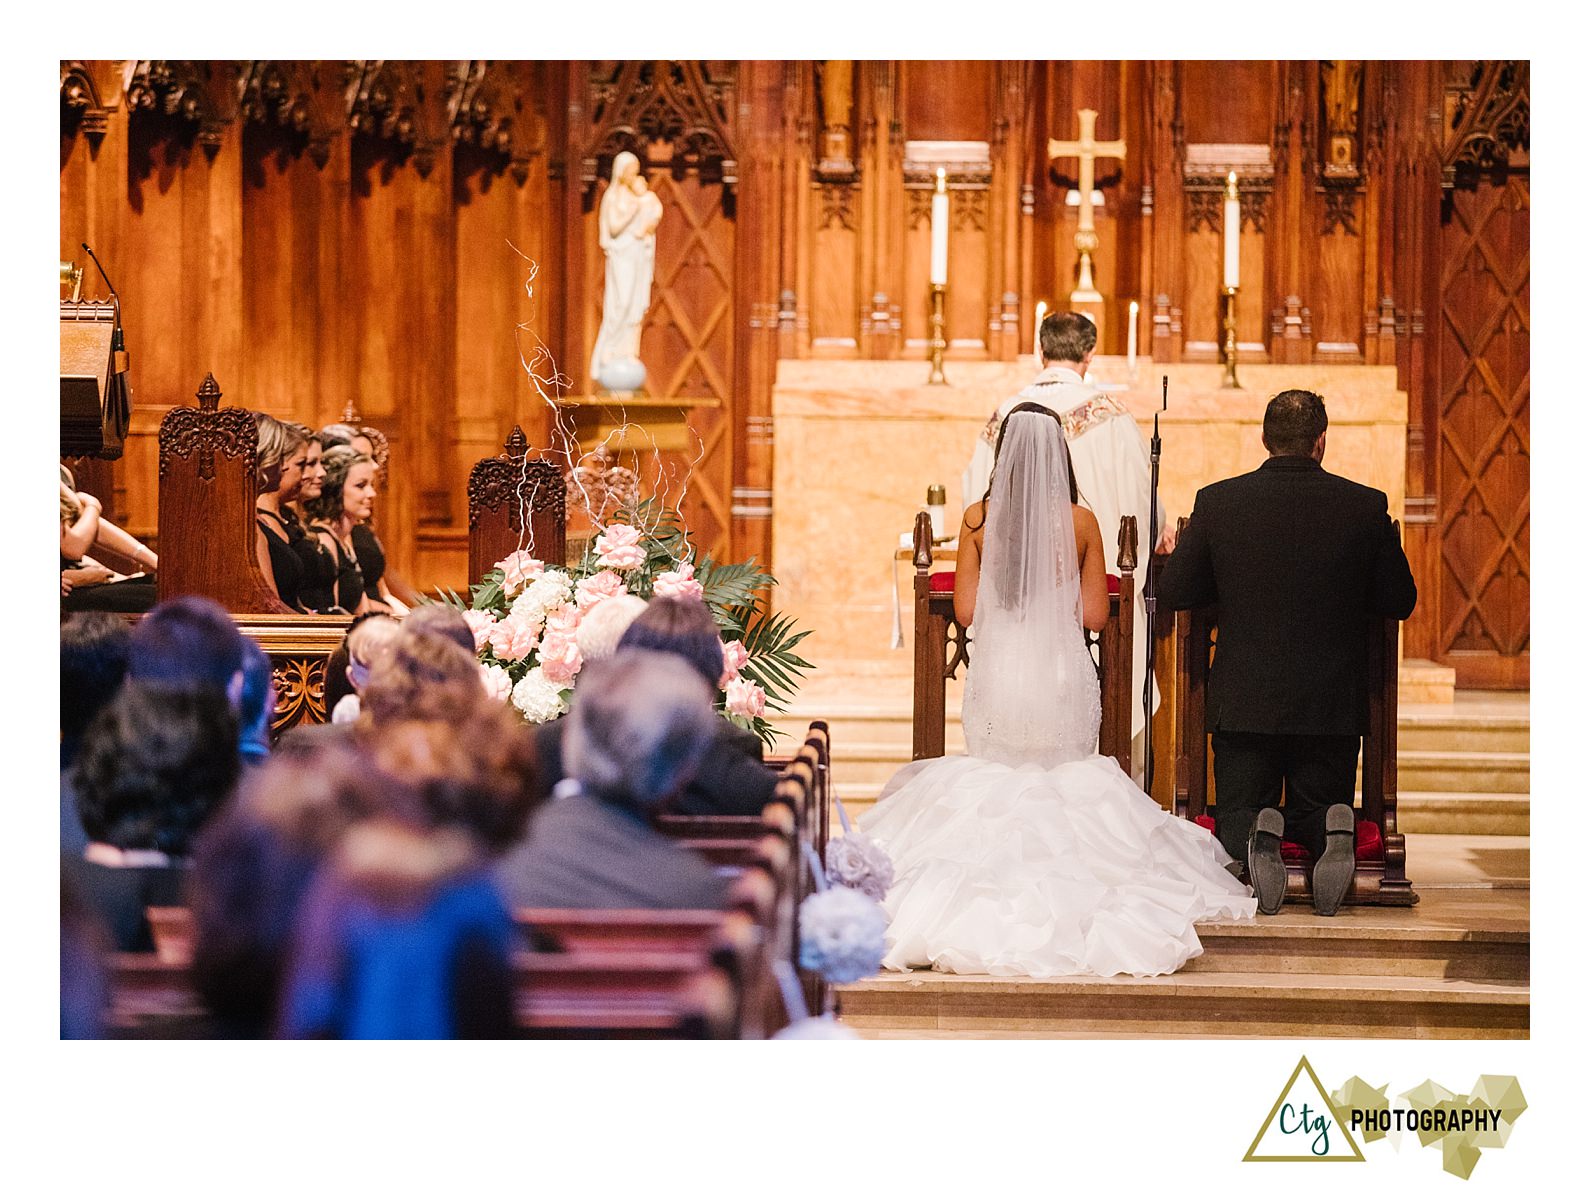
(1233, 229)
(939, 266)
(1131, 336)
(1037, 326)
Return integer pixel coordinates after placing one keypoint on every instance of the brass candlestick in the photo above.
(937, 344)
(1228, 348)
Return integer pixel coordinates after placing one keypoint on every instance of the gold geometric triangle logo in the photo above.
(1303, 1125)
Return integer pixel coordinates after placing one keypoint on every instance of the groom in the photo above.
(1301, 563)
(1109, 458)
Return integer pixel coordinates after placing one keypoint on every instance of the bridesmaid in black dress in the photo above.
(347, 497)
(317, 590)
(281, 458)
(366, 543)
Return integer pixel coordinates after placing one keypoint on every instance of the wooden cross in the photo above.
(1085, 150)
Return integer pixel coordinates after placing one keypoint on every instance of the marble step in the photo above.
(1234, 1004)
(1369, 942)
(1461, 770)
(1458, 730)
(1463, 812)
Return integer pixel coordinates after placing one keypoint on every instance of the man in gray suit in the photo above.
(639, 727)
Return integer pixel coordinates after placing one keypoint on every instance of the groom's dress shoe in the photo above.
(1333, 873)
(1266, 871)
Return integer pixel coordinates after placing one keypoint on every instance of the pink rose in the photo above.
(560, 658)
(512, 638)
(604, 585)
(745, 699)
(497, 682)
(678, 583)
(563, 621)
(480, 623)
(619, 547)
(517, 570)
(735, 656)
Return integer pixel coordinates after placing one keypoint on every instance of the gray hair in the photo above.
(639, 727)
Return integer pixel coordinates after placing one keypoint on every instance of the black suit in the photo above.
(1301, 565)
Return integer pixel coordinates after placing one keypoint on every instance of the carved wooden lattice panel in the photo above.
(688, 342)
(1483, 471)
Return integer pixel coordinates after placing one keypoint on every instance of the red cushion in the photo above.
(944, 581)
(1368, 845)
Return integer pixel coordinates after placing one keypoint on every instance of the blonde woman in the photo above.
(87, 584)
(346, 497)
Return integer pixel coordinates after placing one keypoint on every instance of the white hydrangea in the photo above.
(842, 934)
(542, 594)
(538, 698)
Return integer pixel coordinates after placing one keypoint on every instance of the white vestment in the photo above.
(1109, 457)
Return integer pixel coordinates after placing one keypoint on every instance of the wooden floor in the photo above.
(1454, 966)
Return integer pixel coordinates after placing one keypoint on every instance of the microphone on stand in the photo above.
(1149, 598)
(117, 343)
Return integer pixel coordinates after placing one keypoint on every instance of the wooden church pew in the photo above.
(1379, 877)
(942, 648)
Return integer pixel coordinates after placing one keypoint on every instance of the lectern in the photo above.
(95, 407)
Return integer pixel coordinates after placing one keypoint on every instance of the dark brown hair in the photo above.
(1027, 406)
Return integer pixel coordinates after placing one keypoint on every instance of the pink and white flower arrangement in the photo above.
(536, 626)
(619, 547)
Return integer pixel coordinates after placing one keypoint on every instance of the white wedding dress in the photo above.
(1032, 855)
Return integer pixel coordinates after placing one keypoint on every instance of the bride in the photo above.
(1032, 855)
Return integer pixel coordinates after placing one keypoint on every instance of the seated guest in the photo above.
(422, 676)
(477, 773)
(154, 764)
(348, 669)
(185, 641)
(597, 639)
(638, 729)
(403, 936)
(442, 620)
(280, 465)
(85, 988)
(346, 498)
(256, 706)
(731, 779)
(94, 649)
(252, 865)
(87, 585)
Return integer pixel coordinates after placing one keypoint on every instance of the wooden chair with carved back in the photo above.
(1381, 873)
(942, 647)
(515, 502)
(208, 488)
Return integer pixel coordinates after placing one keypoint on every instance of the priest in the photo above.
(1109, 458)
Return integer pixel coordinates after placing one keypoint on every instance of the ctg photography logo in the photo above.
(1303, 1125)
(1308, 1124)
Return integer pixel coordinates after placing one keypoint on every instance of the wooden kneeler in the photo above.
(942, 647)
